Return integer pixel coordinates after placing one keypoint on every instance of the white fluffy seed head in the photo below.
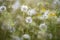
(31, 12)
(43, 26)
(24, 8)
(28, 20)
(2, 8)
(26, 36)
(16, 5)
(43, 17)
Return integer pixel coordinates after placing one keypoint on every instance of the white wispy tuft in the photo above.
(16, 5)
(31, 12)
(24, 8)
(2, 8)
(26, 36)
(43, 26)
(28, 20)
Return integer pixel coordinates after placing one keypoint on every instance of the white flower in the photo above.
(28, 20)
(45, 15)
(16, 5)
(26, 36)
(2, 8)
(43, 26)
(24, 8)
(31, 12)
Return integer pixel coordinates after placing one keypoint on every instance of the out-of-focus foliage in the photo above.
(29, 19)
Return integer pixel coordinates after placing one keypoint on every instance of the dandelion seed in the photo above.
(24, 8)
(45, 15)
(16, 5)
(2, 8)
(26, 36)
(43, 26)
(31, 12)
(28, 20)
